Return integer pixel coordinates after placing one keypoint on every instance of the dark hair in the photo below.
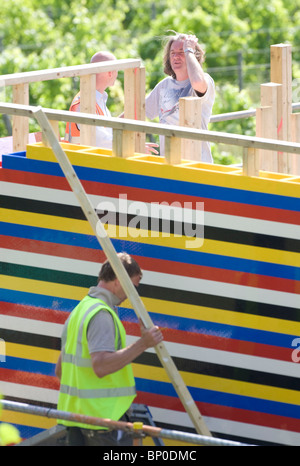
(107, 273)
(199, 53)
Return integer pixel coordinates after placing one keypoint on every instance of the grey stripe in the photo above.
(98, 392)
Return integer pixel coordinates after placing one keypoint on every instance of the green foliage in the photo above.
(41, 34)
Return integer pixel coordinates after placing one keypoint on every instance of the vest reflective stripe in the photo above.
(100, 393)
(72, 133)
(81, 391)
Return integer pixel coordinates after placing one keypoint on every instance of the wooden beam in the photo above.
(88, 105)
(68, 71)
(250, 162)
(190, 110)
(295, 129)
(20, 125)
(172, 150)
(129, 111)
(281, 73)
(140, 107)
(266, 123)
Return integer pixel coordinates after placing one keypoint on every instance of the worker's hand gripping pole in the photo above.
(120, 271)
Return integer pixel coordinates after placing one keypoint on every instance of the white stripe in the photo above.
(227, 358)
(227, 427)
(37, 327)
(177, 282)
(44, 261)
(28, 392)
(227, 290)
(277, 229)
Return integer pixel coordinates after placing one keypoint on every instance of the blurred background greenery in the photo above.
(41, 34)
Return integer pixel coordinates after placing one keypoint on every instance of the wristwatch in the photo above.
(189, 49)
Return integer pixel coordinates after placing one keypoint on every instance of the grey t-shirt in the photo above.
(101, 329)
(163, 102)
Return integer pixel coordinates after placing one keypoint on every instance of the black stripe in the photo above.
(186, 229)
(159, 293)
(224, 372)
(219, 302)
(30, 339)
(182, 364)
(42, 207)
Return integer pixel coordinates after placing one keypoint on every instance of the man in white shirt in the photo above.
(183, 58)
(103, 81)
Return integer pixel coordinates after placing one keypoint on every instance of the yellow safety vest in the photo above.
(81, 391)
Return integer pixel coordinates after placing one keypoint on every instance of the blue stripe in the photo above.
(223, 399)
(29, 365)
(215, 329)
(153, 251)
(154, 183)
(167, 389)
(37, 300)
(179, 323)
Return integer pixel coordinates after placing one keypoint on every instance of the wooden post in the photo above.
(117, 144)
(129, 111)
(250, 162)
(190, 110)
(295, 129)
(140, 86)
(172, 150)
(88, 105)
(266, 124)
(20, 125)
(281, 73)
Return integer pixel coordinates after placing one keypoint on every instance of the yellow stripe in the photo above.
(220, 316)
(221, 385)
(144, 236)
(46, 221)
(25, 419)
(42, 288)
(186, 171)
(32, 352)
(159, 306)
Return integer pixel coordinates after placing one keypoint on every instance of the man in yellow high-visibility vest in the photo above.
(94, 366)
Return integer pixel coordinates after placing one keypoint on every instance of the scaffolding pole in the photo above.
(130, 427)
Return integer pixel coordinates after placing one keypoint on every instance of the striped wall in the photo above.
(226, 294)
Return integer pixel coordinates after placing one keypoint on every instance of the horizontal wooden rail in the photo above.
(68, 72)
(156, 128)
(241, 114)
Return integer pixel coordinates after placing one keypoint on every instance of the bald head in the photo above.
(102, 56)
(107, 78)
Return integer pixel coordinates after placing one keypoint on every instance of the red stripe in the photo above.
(217, 342)
(145, 195)
(32, 312)
(221, 412)
(166, 402)
(52, 249)
(156, 265)
(29, 379)
(170, 334)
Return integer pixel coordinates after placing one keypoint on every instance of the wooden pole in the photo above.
(281, 73)
(190, 109)
(20, 125)
(140, 106)
(88, 105)
(128, 137)
(295, 123)
(120, 271)
(266, 123)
